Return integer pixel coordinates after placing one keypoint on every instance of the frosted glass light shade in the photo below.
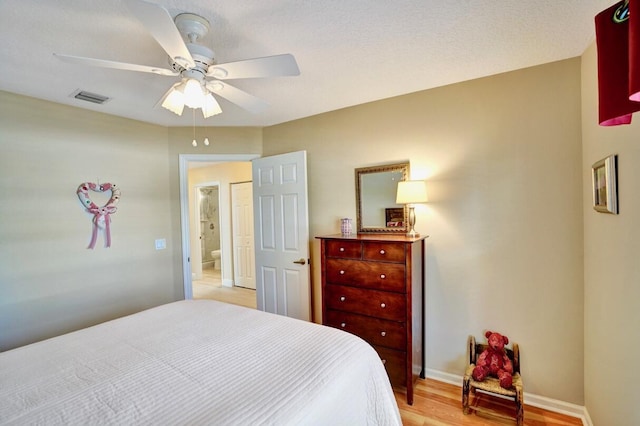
(210, 107)
(174, 102)
(193, 94)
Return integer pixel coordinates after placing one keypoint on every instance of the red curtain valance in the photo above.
(618, 47)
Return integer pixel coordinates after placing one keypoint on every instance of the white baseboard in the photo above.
(543, 402)
(586, 420)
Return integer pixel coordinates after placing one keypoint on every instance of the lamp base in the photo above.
(412, 222)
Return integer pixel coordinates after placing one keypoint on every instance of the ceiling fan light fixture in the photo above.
(174, 102)
(194, 96)
(210, 107)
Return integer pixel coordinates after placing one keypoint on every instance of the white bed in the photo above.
(197, 362)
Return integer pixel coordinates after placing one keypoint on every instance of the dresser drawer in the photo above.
(384, 252)
(344, 249)
(374, 303)
(395, 362)
(380, 276)
(392, 334)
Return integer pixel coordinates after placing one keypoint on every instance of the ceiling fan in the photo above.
(194, 63)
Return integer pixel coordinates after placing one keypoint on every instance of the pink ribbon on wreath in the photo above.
(101, 212)
(101, 215)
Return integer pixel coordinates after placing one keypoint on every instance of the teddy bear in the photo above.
(494, 361)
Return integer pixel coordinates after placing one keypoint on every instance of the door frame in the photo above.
(183, 169)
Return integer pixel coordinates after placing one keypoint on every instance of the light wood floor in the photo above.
(210, 287)
(438, 403)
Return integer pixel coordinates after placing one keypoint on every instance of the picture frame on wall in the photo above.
(605, 186)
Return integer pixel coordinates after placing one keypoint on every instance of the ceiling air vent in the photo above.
(89, 97)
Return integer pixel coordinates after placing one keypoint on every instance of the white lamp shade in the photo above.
(412, 192)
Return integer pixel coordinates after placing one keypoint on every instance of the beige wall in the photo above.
(50, 282)
(612, 274)
(502, 156)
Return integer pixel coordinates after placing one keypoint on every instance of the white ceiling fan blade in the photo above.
(237, 96)
(160, 24)
(112, 64)
(270, 66)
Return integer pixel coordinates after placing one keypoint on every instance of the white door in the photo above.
(242, 228)
(281, 226)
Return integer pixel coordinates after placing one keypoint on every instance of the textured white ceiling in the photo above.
(349, 51)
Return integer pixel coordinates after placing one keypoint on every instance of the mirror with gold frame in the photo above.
(376, 207)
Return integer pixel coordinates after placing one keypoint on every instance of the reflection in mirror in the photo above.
(376, 206)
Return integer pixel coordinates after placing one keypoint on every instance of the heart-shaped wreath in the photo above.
(101, 215)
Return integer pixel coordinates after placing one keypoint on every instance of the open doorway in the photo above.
(209, 211)
(206, 241)
(282, 257)
(203, 171)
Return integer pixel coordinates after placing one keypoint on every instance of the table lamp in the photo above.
(412, 192)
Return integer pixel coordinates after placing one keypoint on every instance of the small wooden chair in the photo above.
(492, 384)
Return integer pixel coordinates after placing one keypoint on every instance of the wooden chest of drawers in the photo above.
(373, 286)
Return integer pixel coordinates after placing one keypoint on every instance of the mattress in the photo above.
(197, 362)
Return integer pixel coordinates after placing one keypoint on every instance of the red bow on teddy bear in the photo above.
(494, 361)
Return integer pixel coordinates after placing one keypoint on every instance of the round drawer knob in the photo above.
(341, 272)
(384, 362)
(383, 334)
(382, 305)
(341, 248)
(343, 324)
(383, 276)
(382, 251)
(342, 298)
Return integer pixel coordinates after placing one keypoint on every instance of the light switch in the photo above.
(161, 244)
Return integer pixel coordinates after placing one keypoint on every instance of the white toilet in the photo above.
(215, 255)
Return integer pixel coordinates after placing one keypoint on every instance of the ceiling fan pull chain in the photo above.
(194, 143)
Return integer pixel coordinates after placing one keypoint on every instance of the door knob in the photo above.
(300, 262)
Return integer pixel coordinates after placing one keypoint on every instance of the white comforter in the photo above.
(197, 362)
